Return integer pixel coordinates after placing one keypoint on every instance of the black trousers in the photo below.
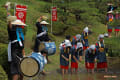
(16, 53)
(36, 45)
(38, 40)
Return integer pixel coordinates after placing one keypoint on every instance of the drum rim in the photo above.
(35, 73)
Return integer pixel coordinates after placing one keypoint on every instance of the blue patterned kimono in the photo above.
(73, 40)
(84, 38)
(101, 55)
(76, 53)
(89, 56)
(63, 62)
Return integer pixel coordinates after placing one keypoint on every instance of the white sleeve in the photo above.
(45, 60)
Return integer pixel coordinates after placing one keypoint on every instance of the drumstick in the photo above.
(19, 58)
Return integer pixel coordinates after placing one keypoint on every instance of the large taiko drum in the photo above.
(49, 46)
(32, 65)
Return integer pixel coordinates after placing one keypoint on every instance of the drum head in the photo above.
(29, 67)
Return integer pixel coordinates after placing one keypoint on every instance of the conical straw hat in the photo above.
(44, 22)
(11, 18)
(18, 22)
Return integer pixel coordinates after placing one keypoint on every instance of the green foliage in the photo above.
(3, 75)
(113, 46)
(71, 20)
(117, 22)
(4, 59)
(3, 26)
(3, 53)
(114, 23)
(52, 37)
(58, 27)
(3, 36)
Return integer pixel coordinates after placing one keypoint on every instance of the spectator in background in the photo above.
(110, 18)
(117, 28)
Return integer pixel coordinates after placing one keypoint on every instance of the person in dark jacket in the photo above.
(42, 35)
(15, 47)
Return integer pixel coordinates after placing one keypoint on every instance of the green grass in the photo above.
(97, 29)
(3, 74)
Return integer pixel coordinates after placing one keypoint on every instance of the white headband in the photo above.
(92, 47)
(86, 29)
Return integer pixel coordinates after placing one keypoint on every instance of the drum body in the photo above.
(32, 65)
(50, 47)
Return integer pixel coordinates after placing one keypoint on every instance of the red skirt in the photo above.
(64, 67)
(74, 65)
(109, 30)
(85, 47)
(116, 30)
(102, 65)
(89, 65)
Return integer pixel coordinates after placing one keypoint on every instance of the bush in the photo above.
(4, 58)
(113, 46)
(3, 36)
(58, 27)
(3, 75)
(52, 37)
(114, 23)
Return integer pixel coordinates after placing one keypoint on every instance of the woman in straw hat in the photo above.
(15, 47)
(101, 56)
(42, 35)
